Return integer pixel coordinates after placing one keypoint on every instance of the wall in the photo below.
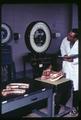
(74, 16)
(19, 16)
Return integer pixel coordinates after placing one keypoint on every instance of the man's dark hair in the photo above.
(75, 30)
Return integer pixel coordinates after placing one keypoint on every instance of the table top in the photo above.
(34, 87)
(57, 82)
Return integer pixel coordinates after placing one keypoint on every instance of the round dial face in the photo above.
(5, 33)
(39, 37)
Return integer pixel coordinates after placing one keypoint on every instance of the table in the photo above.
(56, 85)
(38, 91)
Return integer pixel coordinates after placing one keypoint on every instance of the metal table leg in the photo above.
(53, 105)
(49, 108)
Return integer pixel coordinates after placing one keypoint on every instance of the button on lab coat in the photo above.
(70, 68)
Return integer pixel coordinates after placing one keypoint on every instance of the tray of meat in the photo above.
(6, 92)
(17, 85)
(15, 89)
(51, 75)
(56, 75)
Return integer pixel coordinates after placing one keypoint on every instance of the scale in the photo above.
(7, 64)
(38, 38)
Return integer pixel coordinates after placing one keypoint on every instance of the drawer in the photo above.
(26, 100)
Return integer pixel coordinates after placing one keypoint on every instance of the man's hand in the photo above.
(68, 58)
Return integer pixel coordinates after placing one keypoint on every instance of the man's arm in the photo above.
(68, 58)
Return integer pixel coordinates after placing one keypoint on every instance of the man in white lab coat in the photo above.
(69, 51)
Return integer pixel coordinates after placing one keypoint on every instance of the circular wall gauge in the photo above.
(5, 33)
(38, 36)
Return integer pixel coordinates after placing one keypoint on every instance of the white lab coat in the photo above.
(70, 68)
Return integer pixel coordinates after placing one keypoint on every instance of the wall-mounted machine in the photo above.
(38, 38)
(7, 64)
(6, 33)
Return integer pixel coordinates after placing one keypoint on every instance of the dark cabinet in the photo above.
(40, 62)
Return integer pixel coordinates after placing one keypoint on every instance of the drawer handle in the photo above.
(43, 89)
(33, 99)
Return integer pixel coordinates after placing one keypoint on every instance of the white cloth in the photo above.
(70, 68)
